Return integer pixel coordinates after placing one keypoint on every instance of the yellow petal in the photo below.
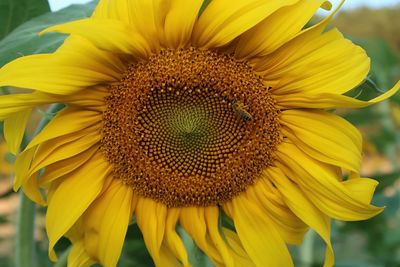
(327, 100)
(179, 22)
(296, 200)
(277, 29)
(261, 240)
(193, 221)
(289, 225)
(79, 193)
(69, 120)
(362, 188)
(107, 220)
(168, 258)
(92, 98)
(14, 129)
(75, 66)
(106, 34)
(76, 232)
(66, 166)
(62, 148)
(115, 9)
(325, 64)
(66, 122)
(151, 217)
(149, 17)
(327, 5)
(53, 151)
(78, 257)
(239, 255)
(22, 165)
(321, 185)
(224, 20)
(284, 69)
(325, 137)
(279, 57)
(212, 221)
(15, 103)
(172, 238)
(139, 14)
(31, 190)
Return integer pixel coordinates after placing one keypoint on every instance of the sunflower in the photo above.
(6, 167)
(180, 112)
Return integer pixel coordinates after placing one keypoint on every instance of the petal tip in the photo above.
(326, 5)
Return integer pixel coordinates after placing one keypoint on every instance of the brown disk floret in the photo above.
(190, 127)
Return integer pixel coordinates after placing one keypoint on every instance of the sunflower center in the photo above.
(188, 132)
(190, 127)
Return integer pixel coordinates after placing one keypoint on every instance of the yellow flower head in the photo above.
(177, 111)
(6, 166)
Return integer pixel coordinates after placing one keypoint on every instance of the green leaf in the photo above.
(367, 90)
(15, 12)
(24, 40)
(362, 117)
(204, 6)
(134, 252)
(386, 180)
(385, 66)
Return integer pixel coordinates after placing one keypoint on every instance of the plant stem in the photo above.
(307, 250)
(25, 251)
(25, 243)
(62, 260)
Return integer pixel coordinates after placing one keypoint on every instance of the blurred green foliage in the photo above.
(15, 12)
(24, 40)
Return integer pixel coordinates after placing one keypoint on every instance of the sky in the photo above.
(58, 4)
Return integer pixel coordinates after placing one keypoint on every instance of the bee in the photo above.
(240, 109)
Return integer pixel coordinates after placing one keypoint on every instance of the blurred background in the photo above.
(374, 24)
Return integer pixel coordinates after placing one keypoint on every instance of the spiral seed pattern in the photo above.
(173, 132)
